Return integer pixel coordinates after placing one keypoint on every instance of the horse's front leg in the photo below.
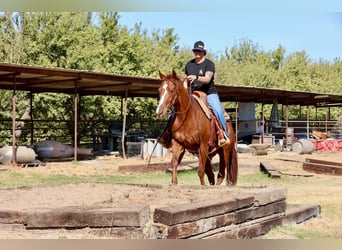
(203, 157)
(177, 156)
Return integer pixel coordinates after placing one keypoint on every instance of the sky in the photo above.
(313, 26)
(318, 33)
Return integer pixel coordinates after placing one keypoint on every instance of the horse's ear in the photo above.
(174, 74)
(162, 76)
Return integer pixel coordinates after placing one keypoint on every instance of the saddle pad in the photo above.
(203, 106)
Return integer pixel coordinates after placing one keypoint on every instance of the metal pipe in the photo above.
(124, 124)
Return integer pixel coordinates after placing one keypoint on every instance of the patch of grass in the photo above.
(297, 232)
(253, 178)
(189, 177)
(16, 180)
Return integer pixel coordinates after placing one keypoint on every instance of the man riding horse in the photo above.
(200, 73)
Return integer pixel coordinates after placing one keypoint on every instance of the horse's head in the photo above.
(168, 92)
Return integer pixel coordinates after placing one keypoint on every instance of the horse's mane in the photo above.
(176, 79)
(173, 76)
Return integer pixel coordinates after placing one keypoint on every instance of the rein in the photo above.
(177, 97)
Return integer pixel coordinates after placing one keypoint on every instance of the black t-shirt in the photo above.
(193, 68)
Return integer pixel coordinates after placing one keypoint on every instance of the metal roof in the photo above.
(285, 97)
(39, 79)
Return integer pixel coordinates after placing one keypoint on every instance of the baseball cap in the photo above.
(199, 46)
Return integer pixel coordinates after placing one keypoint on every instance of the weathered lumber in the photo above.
(269, 195)
(247, 230)
(332, 163)
(322, 168)
(79, 217)
(296, 174)
(245, 215)
(117, 232)
(302, 213)
(188, 229)
(176, 214)
(267, 168)
(10, 216)
(252, 213)
(257, 229)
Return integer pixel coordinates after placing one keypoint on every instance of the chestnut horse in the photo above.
(190, 130)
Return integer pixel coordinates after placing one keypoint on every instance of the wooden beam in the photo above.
(323, 167)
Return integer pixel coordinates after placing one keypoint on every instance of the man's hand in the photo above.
(192, 78)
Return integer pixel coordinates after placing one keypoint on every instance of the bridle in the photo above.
(177, 96)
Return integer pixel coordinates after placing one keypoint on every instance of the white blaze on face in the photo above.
(162, 98)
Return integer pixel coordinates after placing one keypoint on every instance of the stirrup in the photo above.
(224, 141)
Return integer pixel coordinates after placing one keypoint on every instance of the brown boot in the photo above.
(223, 139)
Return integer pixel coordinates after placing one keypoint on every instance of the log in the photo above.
(176, 214)
(300, 214)
(333, 163)
(185, 230)
(322, 168)
(267, 168)
(80, 217)
(253, 213)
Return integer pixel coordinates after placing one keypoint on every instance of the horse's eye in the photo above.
(171, 91)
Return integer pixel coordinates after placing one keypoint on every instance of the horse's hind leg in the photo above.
(224, 156)
(232, 171)
(209, 172)
(202, 165)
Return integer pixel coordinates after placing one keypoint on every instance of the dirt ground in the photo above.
(106, 194)
(123, 195)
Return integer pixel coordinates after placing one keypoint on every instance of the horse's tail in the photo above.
(232, 167)
(232, 172)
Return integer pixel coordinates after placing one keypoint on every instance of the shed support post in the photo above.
(31, 118)
(124, 124)
(287, 134)
(308, 123)
(75, 125)
(263, 122)
(236, 121)
(327, 117)
(14, 114)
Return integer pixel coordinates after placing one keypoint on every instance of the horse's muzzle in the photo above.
(162, 114)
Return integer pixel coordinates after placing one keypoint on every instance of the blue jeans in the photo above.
(215, 103)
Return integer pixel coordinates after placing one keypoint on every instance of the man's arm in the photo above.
(201, 79)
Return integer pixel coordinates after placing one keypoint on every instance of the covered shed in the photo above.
(36, 79)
